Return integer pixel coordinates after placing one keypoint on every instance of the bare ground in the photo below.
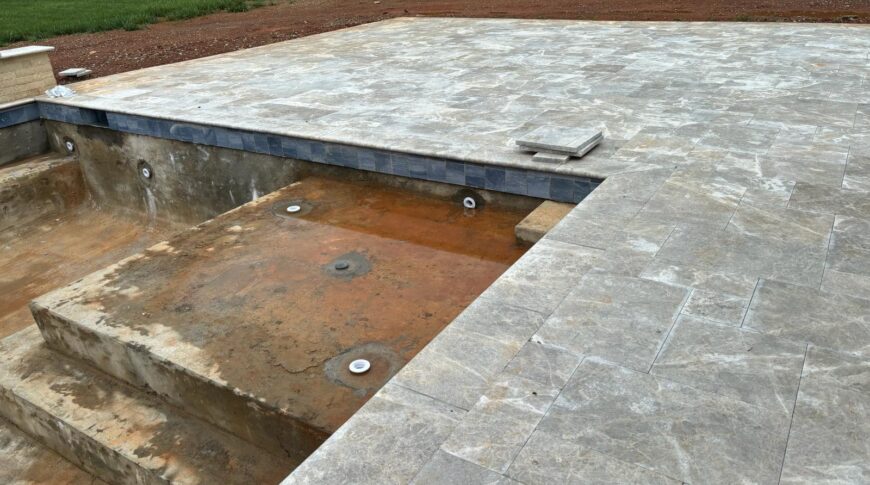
(118, 51)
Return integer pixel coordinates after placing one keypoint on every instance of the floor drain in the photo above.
(348, 266)
(359, 366)
(469, 203)
(292, 209)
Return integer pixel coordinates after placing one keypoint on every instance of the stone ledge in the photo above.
(25, 51)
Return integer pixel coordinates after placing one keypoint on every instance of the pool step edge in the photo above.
(115, 432)
(228, 408)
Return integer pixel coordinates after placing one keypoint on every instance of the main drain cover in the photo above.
(348, 266)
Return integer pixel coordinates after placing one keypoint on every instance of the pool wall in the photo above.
(532, 183)
(22, 132)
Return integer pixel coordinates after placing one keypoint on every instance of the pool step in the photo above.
(250, 321)
(25, 461)
(39, 186)
(117, 433)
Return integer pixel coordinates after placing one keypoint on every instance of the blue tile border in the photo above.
(17, 115)
(534, 183)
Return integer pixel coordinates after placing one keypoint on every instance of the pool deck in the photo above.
(703, 316)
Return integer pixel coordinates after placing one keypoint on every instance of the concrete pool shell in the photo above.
(700, 317)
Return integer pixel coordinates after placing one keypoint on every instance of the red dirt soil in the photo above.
(118, 51)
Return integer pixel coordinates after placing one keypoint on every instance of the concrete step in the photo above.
(39, 186)
(245, 321)
(24, 461)
(115, 432)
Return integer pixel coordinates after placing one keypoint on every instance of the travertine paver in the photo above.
(828, 440)
(671, 428)
(735, 158)
(742, 364)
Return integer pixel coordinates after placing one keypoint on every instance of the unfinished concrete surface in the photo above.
(51, 233)
(702, 317)
(251, 319)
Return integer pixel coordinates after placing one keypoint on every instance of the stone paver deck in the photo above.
(703, 316)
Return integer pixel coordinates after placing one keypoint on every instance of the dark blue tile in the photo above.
(383, 161)
(562, 189)
(117, 121)
(438, 170)
(455, 173)
(417, 167)
(19, 114)
(582, 188)
(255, 142)
(274, 142)
(234, 140)
(495, 178)
(538, 185)
(348, 156)
(366, 159)
(181, 132)
(475, 176)
(515, 181)
(316, 151)
(332, 155)
(401, 164)
(290, 147)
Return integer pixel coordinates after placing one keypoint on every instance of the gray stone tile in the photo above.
(545, 157)
(739, 138)
(755, 368)
(846, 284)
(718, 307)
(387, 441)
(547, 459)
(445, 468)
(766, 243)
(828, 442)
(858, 169)
(568, 139)
(500, 423)
(829, 200)
(457, 366)
(706, 202)
(670, 428)
(596, 223)
(541, 278)
(849, 249)
(807, 315)
(838, 369)
(818, 164)
(620, 319)
(499, 320)
(550, 366)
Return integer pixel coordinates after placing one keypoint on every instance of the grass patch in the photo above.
(39, 19)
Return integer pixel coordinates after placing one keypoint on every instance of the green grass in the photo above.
(38, 19)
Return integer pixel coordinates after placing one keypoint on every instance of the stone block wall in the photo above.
(25, 72)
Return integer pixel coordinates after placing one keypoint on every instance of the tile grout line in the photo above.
(793, 409)
(749, 305)
(827, 252)
(543, 416)
(670, 330)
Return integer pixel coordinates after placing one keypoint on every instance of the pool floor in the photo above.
(253, 299)
(57, 249)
